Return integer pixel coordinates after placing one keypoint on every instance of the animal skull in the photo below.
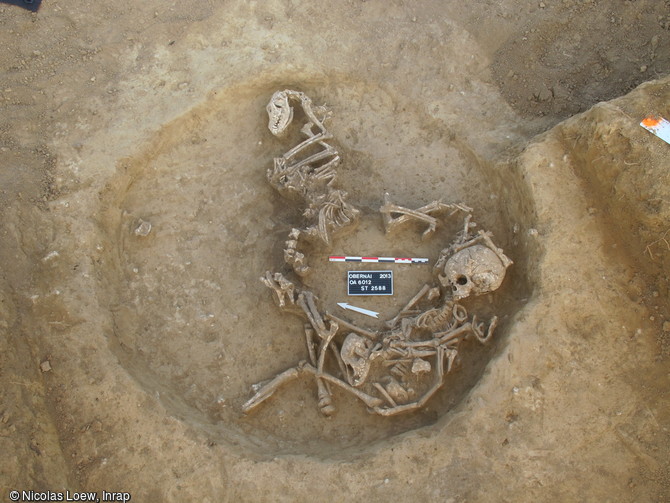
(474, 270)
(355, 355)
(280, 113)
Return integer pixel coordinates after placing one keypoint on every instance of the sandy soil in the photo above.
(125, 359)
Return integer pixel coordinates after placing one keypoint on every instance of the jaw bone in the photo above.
(280, 113)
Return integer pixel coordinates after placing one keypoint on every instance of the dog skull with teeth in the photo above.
(280, 113)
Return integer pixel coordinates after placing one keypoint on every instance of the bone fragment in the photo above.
(323, 392)
(419, 366)
(282, 287)
(413, 301)
(421, 214)
(368, 400)
(336, 354)
(385, 394)
(309, 339)
(478, 332)
(350, 326)
(267, 390)
(395, 390)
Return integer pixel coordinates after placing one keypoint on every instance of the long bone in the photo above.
(406, 311)
(338, 358)
(385, 394)
(323, 393)
(441, 343)
(438, 340)
(474, 329)
(319, 172)
(307, 302)
(368, 400)
(409, 353)
(350, 326)
(422, 214)
(269, 388)
(439, 346)
(327, 170)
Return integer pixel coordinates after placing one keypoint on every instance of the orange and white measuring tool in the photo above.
(657, 125)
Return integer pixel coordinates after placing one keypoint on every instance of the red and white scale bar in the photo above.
(391, 260)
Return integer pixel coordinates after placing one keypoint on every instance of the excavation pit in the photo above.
(192, 224)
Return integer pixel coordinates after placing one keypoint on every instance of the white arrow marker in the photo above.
(367, 312)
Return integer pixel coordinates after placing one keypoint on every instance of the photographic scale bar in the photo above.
(392, 260)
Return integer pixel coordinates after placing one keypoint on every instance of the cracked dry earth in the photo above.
(137, 219)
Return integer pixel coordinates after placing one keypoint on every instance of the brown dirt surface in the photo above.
(125, 359)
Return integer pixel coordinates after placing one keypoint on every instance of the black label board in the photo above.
(370, 282)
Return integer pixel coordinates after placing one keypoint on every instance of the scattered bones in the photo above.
(400, 367)
(422, 214)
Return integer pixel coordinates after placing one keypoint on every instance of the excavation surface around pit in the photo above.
(137, 220)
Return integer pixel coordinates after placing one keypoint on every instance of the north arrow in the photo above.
(367, 312)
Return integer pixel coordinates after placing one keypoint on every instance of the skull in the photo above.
(475, 270)
(280, 113)
(355, 355)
